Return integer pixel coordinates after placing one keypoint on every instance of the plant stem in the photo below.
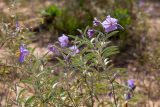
(71, 99)
(114, 96)
(90, 90)
(74, 104)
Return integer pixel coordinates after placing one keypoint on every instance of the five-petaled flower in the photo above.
(90, 32)
(53, 49)
(63, 41)
(23, 52)
(131, 83)
(74, 50)
(110, 24)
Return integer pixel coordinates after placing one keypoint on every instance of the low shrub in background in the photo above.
(71, 16)
(64, 20)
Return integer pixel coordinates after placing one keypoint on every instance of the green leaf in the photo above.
(122, 70)
(28, 81)
(85, 31)
(20, 93)
(54, 85)
(80, 31)
(112, 50)
(39, 74)
(61, 61)
(76, 61)
(72, 36)
(111, 34)
(90, 56)
(30, 100)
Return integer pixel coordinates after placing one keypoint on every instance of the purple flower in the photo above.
(17, 26)
(110, 94)
(149, 10)
(53, 49)
(74, 50)
(141, 3)
(90, 33)
(131, 83)
(23, 52)
(110, 24)
(96, 22)
(63, 40)
(128, 96)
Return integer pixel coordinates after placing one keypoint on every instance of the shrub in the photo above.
(82, 73)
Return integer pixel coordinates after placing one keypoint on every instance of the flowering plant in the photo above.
(81, 73)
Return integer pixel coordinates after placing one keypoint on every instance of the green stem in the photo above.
(74, 104)
(90, 90)
(104, 68)
(114, 96)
